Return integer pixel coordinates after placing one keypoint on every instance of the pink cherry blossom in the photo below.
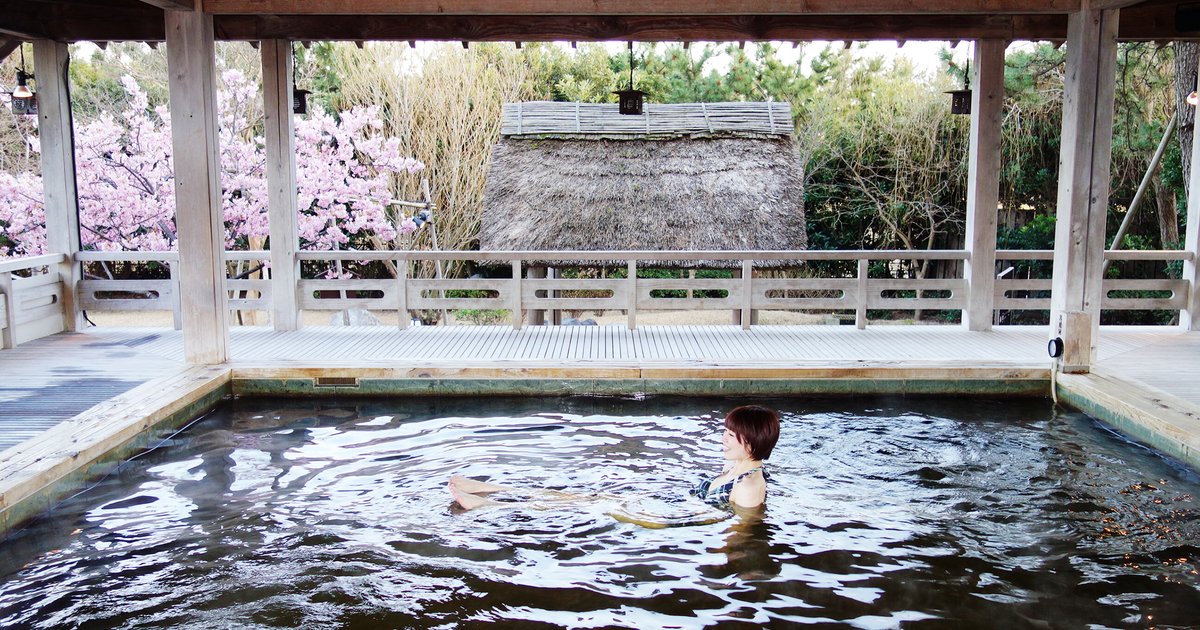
(344, 170)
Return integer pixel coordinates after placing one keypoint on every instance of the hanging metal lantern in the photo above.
(960, 100)
(630, 100)
(300, 101)
(24, 101)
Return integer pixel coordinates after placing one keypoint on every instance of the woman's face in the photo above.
(732, 447)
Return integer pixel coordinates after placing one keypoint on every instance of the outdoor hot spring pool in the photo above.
(882, 512)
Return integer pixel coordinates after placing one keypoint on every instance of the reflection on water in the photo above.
(882, 512)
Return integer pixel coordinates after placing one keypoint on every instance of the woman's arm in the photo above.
(750, 492)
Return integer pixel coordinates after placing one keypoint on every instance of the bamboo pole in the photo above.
(1141, 191)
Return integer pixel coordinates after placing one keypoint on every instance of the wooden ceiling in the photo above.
(586, 20)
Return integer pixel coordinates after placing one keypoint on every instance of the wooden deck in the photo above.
(52, 379)
(617, 345)
(49, 380)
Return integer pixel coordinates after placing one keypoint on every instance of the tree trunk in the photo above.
(1168, 215)
(1186, 55)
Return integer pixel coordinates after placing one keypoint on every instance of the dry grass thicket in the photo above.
(445, 108)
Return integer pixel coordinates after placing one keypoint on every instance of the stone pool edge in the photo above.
(37, 474)
(631, 380)
(1140, 411)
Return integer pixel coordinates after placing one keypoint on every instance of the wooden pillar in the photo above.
(1189, 317)
(281, 182)
(197, 186)
(537, 316)
(55, 132)
(983, 182)
(1083, 177)
(736, 319)
(556, 315)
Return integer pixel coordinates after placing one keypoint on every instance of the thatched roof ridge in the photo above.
(552, 118)
(675, 195)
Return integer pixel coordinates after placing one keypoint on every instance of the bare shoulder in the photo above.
(750, 492)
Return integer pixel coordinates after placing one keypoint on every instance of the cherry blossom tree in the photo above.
(345, 169)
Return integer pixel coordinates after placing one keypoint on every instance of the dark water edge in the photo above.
(883, 512)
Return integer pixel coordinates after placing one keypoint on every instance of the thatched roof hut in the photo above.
(680, 177)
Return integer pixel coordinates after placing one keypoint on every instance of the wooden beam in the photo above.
(27, 24)
(611, 21)
(639, 7)
(8, 47)
(983, 182)
(51, 61)
(281, 181)
(190, 69)
(1151, 22)
(134, 21)
(172, 5)
(640, 28)
(1083, 180)
(1101, 5)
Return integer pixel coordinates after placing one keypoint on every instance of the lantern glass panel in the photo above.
(960, 102)
(300, 101)
(24, 106)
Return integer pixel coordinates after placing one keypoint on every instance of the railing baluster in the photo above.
(10, 310)
(860, 313)
(747, 296)
(514, 300)
(633, 296)
(176, 298)
(402, 293)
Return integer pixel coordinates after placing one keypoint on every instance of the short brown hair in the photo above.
(757, 427)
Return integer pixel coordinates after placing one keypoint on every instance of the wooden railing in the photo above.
(631, 294)
(855, 292)
(32, 295)
(1013, 293)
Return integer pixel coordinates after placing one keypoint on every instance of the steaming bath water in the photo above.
(882, 512)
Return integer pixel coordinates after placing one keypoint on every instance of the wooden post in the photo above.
(402, 293)
(51, 60)
(1084, 174)
(631, 312)
(514, 300)
(281, 182)
(8, 339)
(747, 316)
(197, 185)
(556, 315)
(983, 183)
(1077, 346)
(860, 312)
(176, 301)
(1189, 316)
(537, 316)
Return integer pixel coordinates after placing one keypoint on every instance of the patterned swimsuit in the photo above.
(719, 497)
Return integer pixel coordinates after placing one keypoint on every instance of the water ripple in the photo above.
(882, 512)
